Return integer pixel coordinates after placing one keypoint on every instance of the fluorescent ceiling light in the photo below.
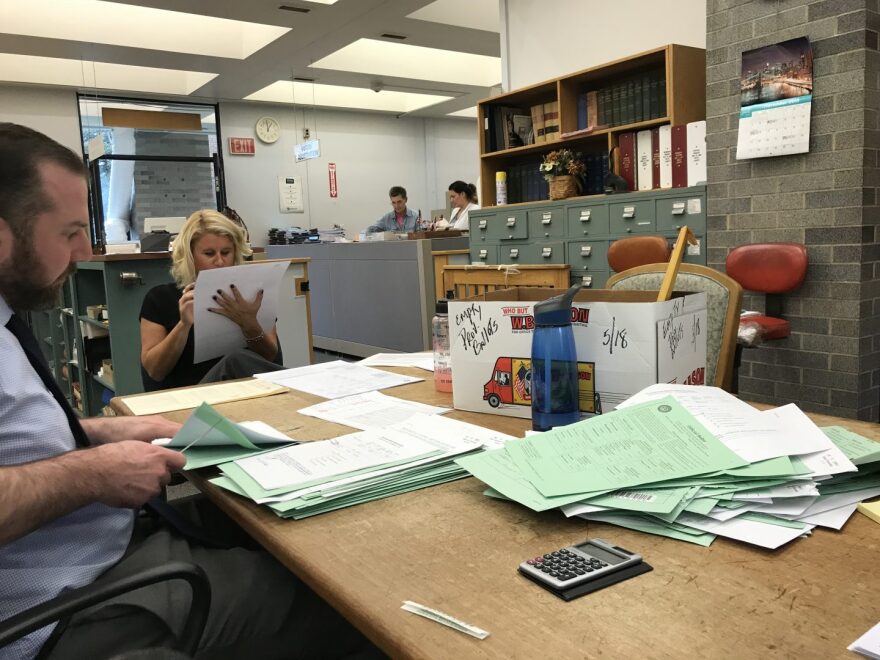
(93, 21)
(323, 2)
(100, 75)
(467, 112)
(478, 14)
(383, 58)
(335, 96)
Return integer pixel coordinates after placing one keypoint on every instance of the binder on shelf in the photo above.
(627, 159)
(593, 109)
(665, 136)
(537, 112)
(696, 151)
(679, 156)
(551, 121)
(644, 165)
(582, 111)
(655, 158)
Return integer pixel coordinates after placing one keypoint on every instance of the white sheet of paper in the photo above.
(748, 531)
(837, 500)
(721, 514)
(334, 380)
(422, 360)
(321, 460)
(868, 644)
(826, 463)
(788, 506)
(788, 490)
(216, 335)
(742, 428)
(835, 518)
(369, 410)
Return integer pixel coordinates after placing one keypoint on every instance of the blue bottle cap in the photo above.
(556, 310)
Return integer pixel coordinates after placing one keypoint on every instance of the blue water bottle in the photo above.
(554, 364)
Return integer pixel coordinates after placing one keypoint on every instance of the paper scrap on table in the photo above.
(334, 380)
(192, 397)
(423, 360)
(369, 410)
(870, 509)
(445, 619)
(868, 644)
(216, 335)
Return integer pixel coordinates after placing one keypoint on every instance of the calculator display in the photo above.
(599, 553)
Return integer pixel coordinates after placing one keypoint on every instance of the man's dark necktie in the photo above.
(38, 361)
(35, 356)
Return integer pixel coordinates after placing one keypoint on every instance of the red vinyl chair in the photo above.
(635, 251)
(772, 269)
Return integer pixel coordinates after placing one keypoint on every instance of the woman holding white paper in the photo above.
(208, 240)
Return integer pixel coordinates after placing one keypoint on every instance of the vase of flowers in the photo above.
(563, 169)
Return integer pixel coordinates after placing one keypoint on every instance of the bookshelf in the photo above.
(678, 76)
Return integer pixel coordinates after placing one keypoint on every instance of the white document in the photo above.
(751, 434)
(334, 380)
(801, 489)
(721, 514)
(868, 644)
(369, 410)
(216, 335)
(748, 531)
(835, 518)
(789, 506)
(829, 502)
(318, 462)
(423, 360)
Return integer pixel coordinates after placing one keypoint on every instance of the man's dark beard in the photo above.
(20, 280)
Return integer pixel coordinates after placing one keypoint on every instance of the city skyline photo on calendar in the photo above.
(777, 72)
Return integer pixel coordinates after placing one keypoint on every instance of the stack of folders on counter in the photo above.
(690, 463)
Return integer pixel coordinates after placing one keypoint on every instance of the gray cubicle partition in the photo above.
(370, 297)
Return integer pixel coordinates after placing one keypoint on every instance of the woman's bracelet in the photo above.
(257, 338)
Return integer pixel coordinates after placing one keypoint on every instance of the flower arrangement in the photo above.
(562, 162)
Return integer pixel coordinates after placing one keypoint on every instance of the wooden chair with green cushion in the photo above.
(724, 297)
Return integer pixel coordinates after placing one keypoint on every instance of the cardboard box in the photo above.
(625, 341)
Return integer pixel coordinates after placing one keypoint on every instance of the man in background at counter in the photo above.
(399, 219)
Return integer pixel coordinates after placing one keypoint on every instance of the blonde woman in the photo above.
(207, 240)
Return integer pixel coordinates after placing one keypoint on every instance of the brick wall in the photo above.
(826, 199)
(163, 189)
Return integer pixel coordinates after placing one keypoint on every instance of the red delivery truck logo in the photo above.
(511, 384)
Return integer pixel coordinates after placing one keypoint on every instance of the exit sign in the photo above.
(242, 146)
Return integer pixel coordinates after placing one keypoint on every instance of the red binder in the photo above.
(655, 158)
(679, 156)
(627, 143)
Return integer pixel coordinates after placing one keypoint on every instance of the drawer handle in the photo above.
(484, 254)
(629, 212)
(511, 222)
(585, 215)
(546, 218)
(587, 280)
(514, 253)
(586, 250)
(678, 208)
(482, 224)
(629, 230)
(547, 252)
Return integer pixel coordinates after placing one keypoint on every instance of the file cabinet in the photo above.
(578, 231)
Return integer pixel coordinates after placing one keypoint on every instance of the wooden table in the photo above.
(456, 550)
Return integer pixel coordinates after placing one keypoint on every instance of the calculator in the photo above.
(576, 564)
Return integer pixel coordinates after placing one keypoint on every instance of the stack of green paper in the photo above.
(654, 467)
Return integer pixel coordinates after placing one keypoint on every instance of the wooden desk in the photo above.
(453, 549)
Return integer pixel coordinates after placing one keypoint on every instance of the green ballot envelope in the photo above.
(209, 438)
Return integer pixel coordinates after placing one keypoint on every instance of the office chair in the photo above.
(771, 269)
(723, 300)
(635, 251)
(99, 591)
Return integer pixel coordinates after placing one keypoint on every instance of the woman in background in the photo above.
(463, 197)
(207, 240)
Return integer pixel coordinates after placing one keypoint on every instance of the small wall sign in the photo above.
(242, 146)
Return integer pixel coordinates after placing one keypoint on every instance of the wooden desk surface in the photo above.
(456, 550)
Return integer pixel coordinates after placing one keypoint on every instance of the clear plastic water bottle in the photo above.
(442, 358)
(555, 398)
